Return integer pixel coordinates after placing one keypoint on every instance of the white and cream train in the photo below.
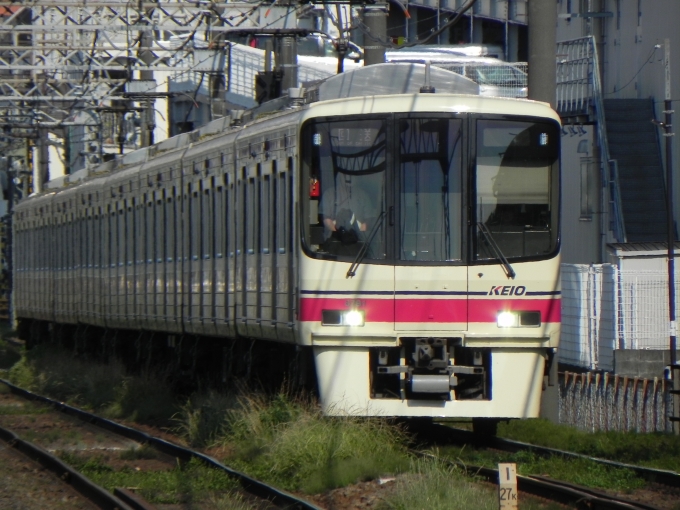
(407, 236)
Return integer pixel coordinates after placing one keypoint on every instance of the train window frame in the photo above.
(304, 153)
(168, 213)
(554, 189)
(395, 246)
(220, 223)
(266, 215)
(207, 223)
(468, 234)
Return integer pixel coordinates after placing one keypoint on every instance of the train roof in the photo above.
(379, 82)
(388, 79)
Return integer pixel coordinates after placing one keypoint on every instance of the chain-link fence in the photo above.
(605, 308)
(499, 80)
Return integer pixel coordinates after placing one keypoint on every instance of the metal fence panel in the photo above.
(605, 308)
(575, 337)
(644, 309)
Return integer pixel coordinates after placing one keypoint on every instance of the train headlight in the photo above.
(519, 319)
(343, 317)
(353, 318)
(507, 320)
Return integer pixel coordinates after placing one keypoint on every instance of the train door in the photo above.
(267, 257)
(284, 300)
(430, 278)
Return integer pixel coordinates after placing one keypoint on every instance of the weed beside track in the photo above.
(281, 439)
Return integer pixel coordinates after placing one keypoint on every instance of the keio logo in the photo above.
(507, 290)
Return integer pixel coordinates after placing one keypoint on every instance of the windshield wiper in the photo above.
(509, 271)
(364, 249)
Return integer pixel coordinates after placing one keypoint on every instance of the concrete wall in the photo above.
(630, 35)
(646, 364)
(580, 232)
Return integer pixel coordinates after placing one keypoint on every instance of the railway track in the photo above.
(556, 490)
(461, 436)
(121, 437)
(564, 493)
(25, 484)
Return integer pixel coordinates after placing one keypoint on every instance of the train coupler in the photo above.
(430, 368)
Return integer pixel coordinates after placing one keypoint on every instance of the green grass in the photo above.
(289, 443)
(25, 408)
(435, 485)
(580, 471)
(10, 354)
(50, 436)
(190, 484)
(202, 418)
(104, 388)
(656, 450)
(286, 441)
(143, 452)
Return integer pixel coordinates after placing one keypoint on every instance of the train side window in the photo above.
(229, 214)
(290, 212)
(104, 240)
(111, 229)
(158, 231)
(138, 229)
(273, 207)
(149, 234)
(240, 202)
(194, 219)
(281, 216)
(207, 224)
(169, 228)
(266, 216)
(251, 216)
(121, 234)
(218, 213)
(92, 241)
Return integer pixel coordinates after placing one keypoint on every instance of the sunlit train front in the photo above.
(409, 239)
(429, 277)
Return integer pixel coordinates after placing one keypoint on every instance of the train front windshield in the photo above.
(400, 187)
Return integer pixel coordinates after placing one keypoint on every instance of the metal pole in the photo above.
(145, 55)
(668, 134)
(218, 82)
(43, 174)
(289, 64)
(9, 252)
(542, 86)
(542, 49)
(375, 19)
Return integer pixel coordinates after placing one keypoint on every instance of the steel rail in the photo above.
(554, 490)
(664, 477)
(251, 485)
(83, 485)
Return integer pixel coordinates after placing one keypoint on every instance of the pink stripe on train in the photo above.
(430, 310)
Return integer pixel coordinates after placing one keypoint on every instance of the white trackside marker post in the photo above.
(507, 486)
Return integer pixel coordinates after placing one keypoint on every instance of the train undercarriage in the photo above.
(430, 368)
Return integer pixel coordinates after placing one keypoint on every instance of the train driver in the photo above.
(345, 210)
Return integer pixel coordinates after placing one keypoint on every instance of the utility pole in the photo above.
(542, 44)
(218, 83)
(42, 174)
(146, 75)
(672, 325)
(375, 20)
(542, 87)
